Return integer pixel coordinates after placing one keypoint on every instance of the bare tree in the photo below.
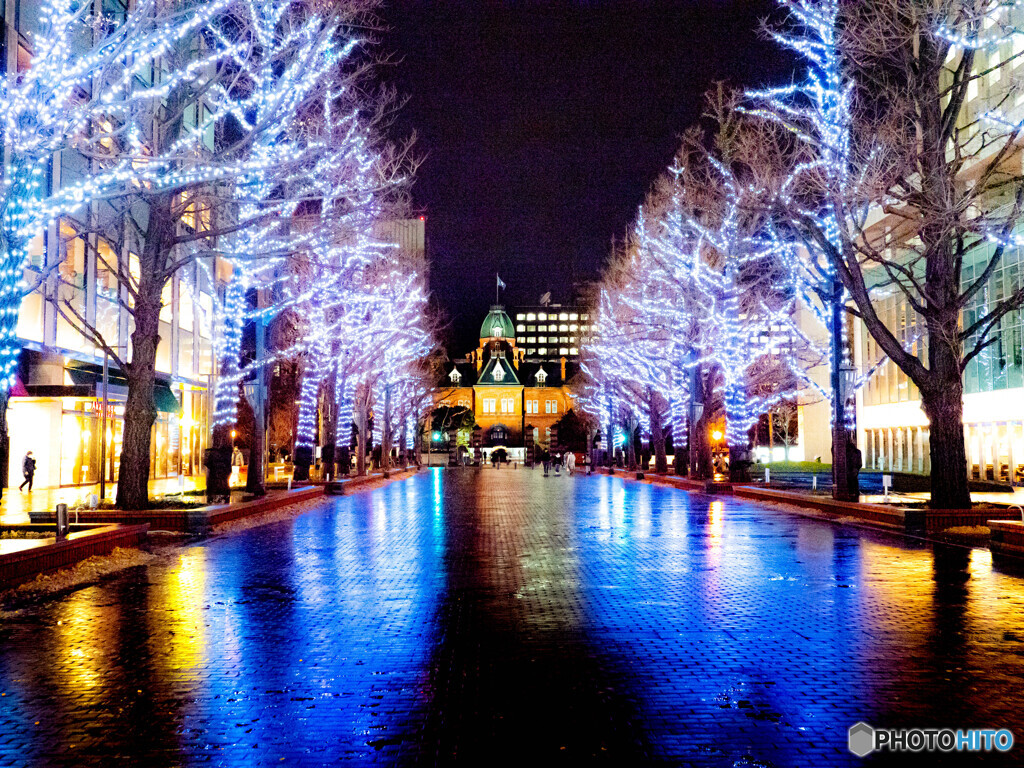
(912, 184)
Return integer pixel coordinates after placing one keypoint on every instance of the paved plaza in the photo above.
(492, 617)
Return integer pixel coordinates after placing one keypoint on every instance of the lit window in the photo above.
(542, 351)
(574, 327)
(573, 351)
(531, 328)
(531, 316)
(507, 405)
(455, 376)
(520, 316)
(563, 327)
(573, 316)
(496, 331)
(584, 317)
(531, 350)
(489, 405)
(564, 316)
(542, 376)
(542, 316)
(563, 351)
(521, 328)
(542, 339)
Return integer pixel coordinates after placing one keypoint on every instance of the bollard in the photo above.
(62, 521)
(814, 482)
(767, 476)
(289, 483)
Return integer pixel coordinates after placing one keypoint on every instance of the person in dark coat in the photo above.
(28, 469)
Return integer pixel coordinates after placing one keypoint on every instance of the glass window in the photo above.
(163, 350)
(573, 316)
(185, 353)
(542, 316)
(531, 316)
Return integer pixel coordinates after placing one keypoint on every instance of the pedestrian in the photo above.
(28, 469)
(570, 462)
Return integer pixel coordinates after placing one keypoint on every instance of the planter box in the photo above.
(1007, 537)
(35, 556)
(879, 514)
(912, 520)
(196, 520)
(201, 519)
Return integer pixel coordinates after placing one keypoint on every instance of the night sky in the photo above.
(544, 124)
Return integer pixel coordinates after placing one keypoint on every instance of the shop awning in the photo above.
(91, 375)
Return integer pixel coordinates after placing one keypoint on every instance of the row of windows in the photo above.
(998, 366)
(507, 405)
(549, 340)
(87, 285)
(563, 328)
(531, 351)
(534, 316)
(550, 406)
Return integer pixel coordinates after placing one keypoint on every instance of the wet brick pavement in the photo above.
(498, 617)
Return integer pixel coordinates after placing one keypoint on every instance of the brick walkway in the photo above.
(482, 618)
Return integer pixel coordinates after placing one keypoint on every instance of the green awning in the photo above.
(89, 374)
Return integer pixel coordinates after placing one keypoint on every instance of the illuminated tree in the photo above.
(71, 101)
(905, 182)
(225, 148)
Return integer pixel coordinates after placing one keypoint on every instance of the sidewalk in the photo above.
(15, 505)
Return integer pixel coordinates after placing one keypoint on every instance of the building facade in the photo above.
(56, 410)
(514, 400)
(551, 332)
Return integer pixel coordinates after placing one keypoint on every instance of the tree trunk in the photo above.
(385, 434)
(5, 440)
(630, 447)
(658, 440)
(140, 407)
(361, 426)
(944, 408)
(699, 440)
(739, 463)
(257, 470)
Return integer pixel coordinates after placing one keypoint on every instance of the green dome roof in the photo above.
(497, 318)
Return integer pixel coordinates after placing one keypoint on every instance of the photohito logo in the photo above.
(862, 740)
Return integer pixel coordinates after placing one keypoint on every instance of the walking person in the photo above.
(28, 469)
(570, 462)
